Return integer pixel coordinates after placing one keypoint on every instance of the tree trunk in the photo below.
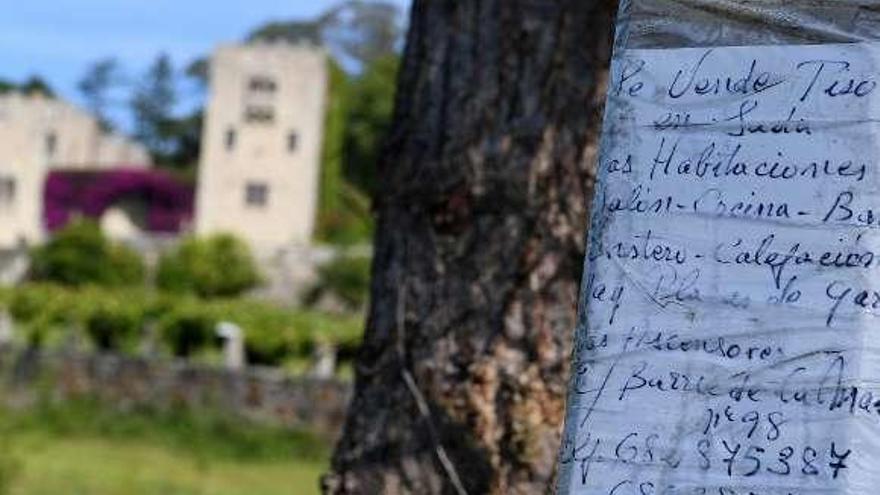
(481, 217)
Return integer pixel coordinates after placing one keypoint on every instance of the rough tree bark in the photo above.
(481, 218)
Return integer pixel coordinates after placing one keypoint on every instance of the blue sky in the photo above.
(57, 39)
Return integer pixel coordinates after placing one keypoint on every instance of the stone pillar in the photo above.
(233, 345)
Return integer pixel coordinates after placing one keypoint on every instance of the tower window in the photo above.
(259, 114)
(51, 143)
(7, 190)
(229, 140)
(292, 141)
(262, 84)
(256, 194)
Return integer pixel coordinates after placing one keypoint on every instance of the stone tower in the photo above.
(261, 147)
(39, 134)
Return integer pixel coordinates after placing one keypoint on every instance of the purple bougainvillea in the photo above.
(68, 194)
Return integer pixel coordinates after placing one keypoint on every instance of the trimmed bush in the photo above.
(46, 313)
(80, 254)
(346, 278)
(113, 324)
(187, 328)
(216, 266)
(113, 320)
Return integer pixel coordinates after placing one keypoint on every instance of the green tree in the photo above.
(36, 85)
(80, 254)
(153, 105)
(363, 31)
(199, 70)
(98, 81)
(174, 141)
(346, 278)
(32, 85)
(356, 32)
(289, 31)
(335, 120)
(185, 134)
(7, 86)
(344, 215)
(217, 266)
(369, 120)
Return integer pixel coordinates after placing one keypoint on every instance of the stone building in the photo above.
(261, 146)
(39, 134)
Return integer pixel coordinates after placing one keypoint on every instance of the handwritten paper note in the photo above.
(729, 334)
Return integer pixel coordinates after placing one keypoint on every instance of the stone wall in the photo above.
(262, 395)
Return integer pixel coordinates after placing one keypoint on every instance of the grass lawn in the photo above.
(148, 455)
(82, 466)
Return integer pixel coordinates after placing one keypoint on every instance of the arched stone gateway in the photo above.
(151, 200)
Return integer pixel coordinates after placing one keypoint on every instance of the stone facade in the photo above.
(39, 134)
(260, 163)
(261, 146)
(263, 395)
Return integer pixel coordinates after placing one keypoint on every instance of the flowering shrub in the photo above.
(69, 194)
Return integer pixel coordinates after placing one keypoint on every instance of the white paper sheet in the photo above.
(731, 300)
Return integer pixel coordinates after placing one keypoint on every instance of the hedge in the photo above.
(80, 254)
(220, 265)
(116, 319)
